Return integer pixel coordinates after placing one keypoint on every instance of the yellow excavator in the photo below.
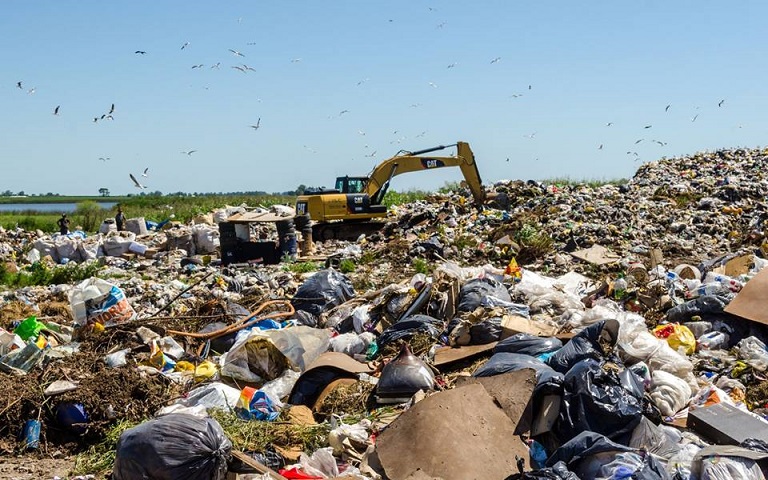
(345, 211)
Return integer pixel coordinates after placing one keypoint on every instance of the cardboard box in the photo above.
(725, 424)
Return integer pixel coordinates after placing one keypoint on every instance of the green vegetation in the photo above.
(347, 265)
(90, 215)
(40, 273)
(399, 198)
(533, 242)
(302, 267)
(420, 265)
(100, 458)
(589, 182)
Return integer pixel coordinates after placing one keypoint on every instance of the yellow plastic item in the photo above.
(205, 371)
(677, 336)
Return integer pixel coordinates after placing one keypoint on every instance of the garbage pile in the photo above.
(566, 332)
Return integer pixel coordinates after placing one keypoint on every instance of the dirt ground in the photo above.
(29, 467)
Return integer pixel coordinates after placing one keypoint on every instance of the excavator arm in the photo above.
(382, 174)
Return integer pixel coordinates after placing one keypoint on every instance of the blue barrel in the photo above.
(288, 245)
(31, 434)
(72, 416)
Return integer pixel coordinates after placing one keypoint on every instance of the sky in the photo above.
(559, 88)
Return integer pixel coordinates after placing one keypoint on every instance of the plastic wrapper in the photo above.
(586, 344)
(255, 404)
(527, 344)
(352, 343)
(659, 440)
(281, 387)
(117, 359)
(323, 291)
(547, 380)
(357, 433)
(409, 326)
(542, 293)
(729, 468)
(321, 464)
(680, 463)
(264, 355)
(679, 337)
(211, 396)
(558, 471)
(595, 400)
(173, 447)
(669, 393)
(700, 306)
(405, 375)
(478, 292)
(753, 351)
(97, 301)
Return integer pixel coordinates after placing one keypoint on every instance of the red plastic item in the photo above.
(296, 473)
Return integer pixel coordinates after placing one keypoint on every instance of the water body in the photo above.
(47, 207)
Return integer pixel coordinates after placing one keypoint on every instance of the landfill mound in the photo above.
(560, 331)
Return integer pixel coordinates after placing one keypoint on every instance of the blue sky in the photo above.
(387, 63)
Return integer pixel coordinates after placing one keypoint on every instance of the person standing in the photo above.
(63, 224)
(120, 220)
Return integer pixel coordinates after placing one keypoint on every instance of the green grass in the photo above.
(400, 198)
(100, 458)
(347, 265)
(59, 199)
(39, 273)
(420, 265)
(302, 267)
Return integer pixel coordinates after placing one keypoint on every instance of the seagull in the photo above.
(432, 9)
(421, 134)
(95, 119)
(258, 124)
(695, 117)
(609, 124)
(31, 91)
(236, 53)
(507, 159)
(136, 182)
(432, 84)
(140, 52)
(516, 95)
(362, 81)
(441, 25)
(667, 109)
(373, 154)
(361, 132)
(248, 68)
(495, 60)
(531, 135)
(648, 126)
(145, 172)
(185, 45)
(660, 143)
(110, 117)
(56, 110)
(295, 60)
(18, 85)
(451, 65)
(216, 66)
(600, 147)
(103, 159)
(343, 112)
(197, 66)
(720, 103)
(190, 152)
(112, 109)
(415, 105)
(240, 68)
(639, 141)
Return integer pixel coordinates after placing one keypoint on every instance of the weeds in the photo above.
(589, 182)
(420, 265)
(40, 273)
(302, 267)
(347, 265)
(100, 458)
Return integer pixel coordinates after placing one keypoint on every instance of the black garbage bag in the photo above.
(558, 471)
(590, 454)
(588, 343)
(528, 344)
(310, 384)
(177, 446)
(475, 293)
(323, 291)
(221, 344)
(699, 306)
(487, 331)
(303, 317)
(405, 375)
(595, 400)
(547, 380)
(410, 326)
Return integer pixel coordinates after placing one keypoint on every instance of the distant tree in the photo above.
(301, 189)
(157, 193)
(104, 192)
(7, 193)
(89, 212)
(21, 193)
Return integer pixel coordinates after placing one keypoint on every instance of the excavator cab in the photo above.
(349, 184)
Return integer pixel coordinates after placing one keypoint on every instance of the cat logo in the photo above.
(432, 163)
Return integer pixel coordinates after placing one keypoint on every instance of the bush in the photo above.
(347, 265)
(90, 214)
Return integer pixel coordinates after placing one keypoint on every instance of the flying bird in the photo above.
(295, 60)
(441, 25)
(451, 65)
(531, 135)
(136, 182)
(190, 152)
(600, 147)
(529, 87)
(197, 66)
(660, 143)
(112, 109)
(667, 109)
(236, 53)
(639, 141)
(146, 170)
(56, 110)
(361, 132)
(140, 52)
(695, 117)
(495, 60)
(720, 103)
(18, 85)
(609, 124)
(362, 81)
(507, 159)
(515, 95)
(373, 154)
(103, 159)
(185, 45)
(239, 68)
(95, 119)
(31, 91)
(258, 124)
(343, 112)
(432, 84)
(216, 66)
(648, 126)
(248, 68)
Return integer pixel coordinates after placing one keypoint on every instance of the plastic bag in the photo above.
(558, 471)
(321, 463)
(586, 344)
(97, 301)
(729, 468)
(659, 440)
(352, 343)
(669, 393)
(547, 380)
(405, 375)
(410, 326)
(595, 400)
(281, 387)
(680, 463)
(753, 351)
(213, 395)
(479, 292)
(528, 344)
(700, 306)
(173, 447)
(255, 404)
(679, 337)
(323, 291)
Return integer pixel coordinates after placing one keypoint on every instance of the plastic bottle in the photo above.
(713, 288)
(732, 284)
(538, 454)
(712, 341)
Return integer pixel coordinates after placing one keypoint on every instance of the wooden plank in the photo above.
(256, 465)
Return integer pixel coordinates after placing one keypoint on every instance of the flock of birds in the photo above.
(109, 114)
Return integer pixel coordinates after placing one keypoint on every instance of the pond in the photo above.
(47, 207)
